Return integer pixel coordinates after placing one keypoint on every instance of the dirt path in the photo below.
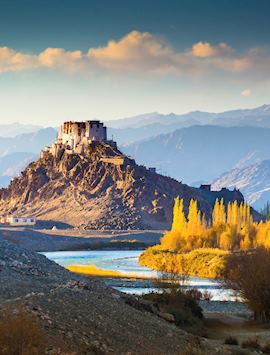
(219, 326)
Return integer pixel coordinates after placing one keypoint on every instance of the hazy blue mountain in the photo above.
(253, 181)
(132, 129)
(12, 164)
(257, 114)
(16, 128)
(28, 142)
(129, 135)
(202, 152)
(163, 119)
(17, 152)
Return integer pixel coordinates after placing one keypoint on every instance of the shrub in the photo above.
(249, 274)
(20, 333)
(194, 293)
(231, 341)
(251, 343)
(207, 296)
(266, 348)
(185, 309)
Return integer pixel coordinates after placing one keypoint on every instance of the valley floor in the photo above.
(219, 326)
(75, 239)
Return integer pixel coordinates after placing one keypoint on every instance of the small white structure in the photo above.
(20, 221)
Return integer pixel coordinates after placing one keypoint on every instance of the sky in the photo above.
(83, 59)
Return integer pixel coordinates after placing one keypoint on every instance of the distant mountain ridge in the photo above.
(202, 152)
(195, 116)
(17, 152)
(132, 129)
(16, 128)
(196, 146)
(253, 181)
(28, 142)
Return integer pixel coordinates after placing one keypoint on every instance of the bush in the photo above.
(249, 274)
(207, 296)
(266, 348)
(185, 309)
(20, 333)
(251, 343)
(194, 293)
(231, 341)
(204, 262)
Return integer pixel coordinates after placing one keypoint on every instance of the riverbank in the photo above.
(45, 240)
(98, 319)
(206, 262)
(92, 270)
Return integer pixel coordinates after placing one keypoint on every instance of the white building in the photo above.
(74, 133)
(19, 221)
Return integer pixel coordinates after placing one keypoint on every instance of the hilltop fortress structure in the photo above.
(74, 137)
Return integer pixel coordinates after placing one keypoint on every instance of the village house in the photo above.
(18, 221)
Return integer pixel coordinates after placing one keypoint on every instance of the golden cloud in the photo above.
(205, 49)
(140, 52)
(58, 57)
(135, 51)
(11, 60)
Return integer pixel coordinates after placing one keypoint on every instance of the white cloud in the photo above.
(246, 92)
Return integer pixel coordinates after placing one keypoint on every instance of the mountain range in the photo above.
(202, 152)
(131, 129)
(16, 128)
(18, 151)
(253, 181)
(195, 147)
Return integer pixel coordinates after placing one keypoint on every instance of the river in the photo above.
(126, 261)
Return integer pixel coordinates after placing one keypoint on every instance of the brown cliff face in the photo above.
(83, 191)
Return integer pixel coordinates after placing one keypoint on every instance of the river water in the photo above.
(126, 261)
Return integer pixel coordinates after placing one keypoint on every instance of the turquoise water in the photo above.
(126, 261)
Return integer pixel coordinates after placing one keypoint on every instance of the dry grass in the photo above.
(94, 271)
(21, 333)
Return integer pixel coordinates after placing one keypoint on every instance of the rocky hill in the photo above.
(92, 192)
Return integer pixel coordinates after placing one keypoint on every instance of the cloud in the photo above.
(143, 53)
(246, 92)
(10, 60)
(135, 51)
(205, 49)
(59, 58)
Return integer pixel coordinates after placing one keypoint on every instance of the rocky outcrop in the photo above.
(91, 192)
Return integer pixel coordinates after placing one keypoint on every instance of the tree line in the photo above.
(230, 227)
